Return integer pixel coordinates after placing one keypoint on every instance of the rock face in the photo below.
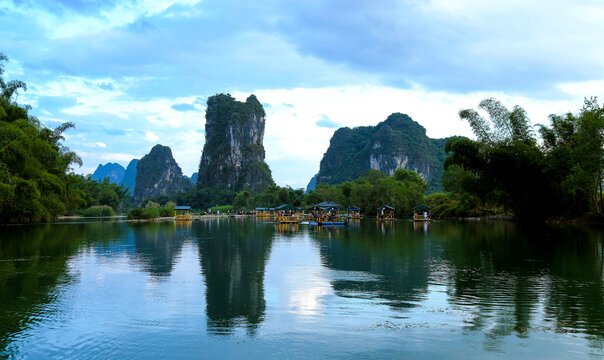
(113, 171)
(397, 142)
(129, 179)
(157, 173)
(233, 155)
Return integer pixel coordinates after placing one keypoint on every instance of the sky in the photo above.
(135, 73)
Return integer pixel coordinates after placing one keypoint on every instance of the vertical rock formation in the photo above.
(233, 155)
(157, 173)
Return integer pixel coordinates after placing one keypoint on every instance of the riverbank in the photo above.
(123, 218)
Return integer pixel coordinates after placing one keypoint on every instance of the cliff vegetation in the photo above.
(398, 142)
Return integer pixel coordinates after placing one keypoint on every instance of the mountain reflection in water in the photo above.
(407, 289)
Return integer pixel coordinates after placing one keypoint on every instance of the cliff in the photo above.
(233, 154)
(397, 142)
(113, 171)
(157, 173)
(129, 178)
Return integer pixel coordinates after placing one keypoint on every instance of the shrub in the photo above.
(98, 211)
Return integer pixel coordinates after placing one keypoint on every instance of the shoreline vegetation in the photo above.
(506, 172)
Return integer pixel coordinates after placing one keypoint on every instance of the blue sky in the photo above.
(131, 74)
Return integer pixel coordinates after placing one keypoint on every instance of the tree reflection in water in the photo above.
(504, 279)
(233, 260)
(158, 245)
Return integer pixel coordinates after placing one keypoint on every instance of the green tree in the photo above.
(504, 167)
(34, 165)
(574, 150)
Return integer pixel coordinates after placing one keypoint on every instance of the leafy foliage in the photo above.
(99, 193)
(506, 168)
(152, 210)
(98, 211)
(508, 126)
(34, 184)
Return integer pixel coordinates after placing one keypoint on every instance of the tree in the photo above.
(34, 183)
(507, 126)
(504, 166)
(574, 148)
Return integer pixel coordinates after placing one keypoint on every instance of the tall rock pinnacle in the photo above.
(233, 155)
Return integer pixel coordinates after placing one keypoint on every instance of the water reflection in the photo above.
(491, 286)
(504, 280)
(506, 275)
(33, 265)
(422, 226)
(289, 230)
(233, 259)
(399, 263)
(385, 227)
(158, 245)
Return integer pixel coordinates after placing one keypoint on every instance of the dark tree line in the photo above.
(508, 169)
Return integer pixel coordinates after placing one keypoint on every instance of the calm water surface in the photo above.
(234, 288)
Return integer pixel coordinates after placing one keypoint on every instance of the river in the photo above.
(242, 288)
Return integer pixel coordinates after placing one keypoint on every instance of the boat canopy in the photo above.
(422, 207)
(385, 207)
(327, 205)
(354, 208)
(286, 207)
(182, 208)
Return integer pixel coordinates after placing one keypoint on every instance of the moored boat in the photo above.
(326, 214)
(385, 213)
(422, 213)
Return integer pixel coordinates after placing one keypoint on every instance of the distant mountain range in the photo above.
(193, 178)
(127, 177)
(233, 154)
(113, 171)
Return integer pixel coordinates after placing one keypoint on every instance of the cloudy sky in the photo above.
(131, 74)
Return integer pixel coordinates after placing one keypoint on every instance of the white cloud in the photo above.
(97, 144)
(70, 23)
(151, 136)
(293, 142)
(292, 136)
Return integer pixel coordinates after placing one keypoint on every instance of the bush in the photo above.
(136, 213)
(98, 211)
(152, 211)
